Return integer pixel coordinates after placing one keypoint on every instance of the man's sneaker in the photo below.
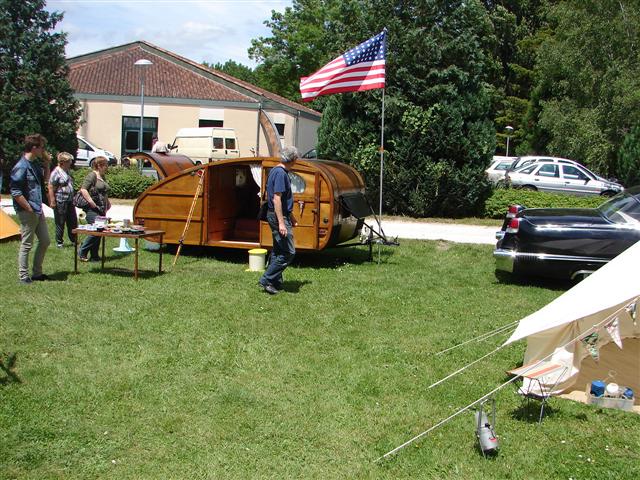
(60, 245)
(25, 281)
(270, 289)
(40, 278)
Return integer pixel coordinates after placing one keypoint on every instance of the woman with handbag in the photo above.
(61, 199)
(94, 190)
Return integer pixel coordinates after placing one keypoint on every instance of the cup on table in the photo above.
(126, 223)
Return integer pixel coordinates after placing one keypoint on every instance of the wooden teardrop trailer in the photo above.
(329, 202)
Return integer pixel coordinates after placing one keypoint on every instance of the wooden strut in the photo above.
(193, 206)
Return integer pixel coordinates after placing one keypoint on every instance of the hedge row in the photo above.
(130, 183)
(123, 182)
(497, 204)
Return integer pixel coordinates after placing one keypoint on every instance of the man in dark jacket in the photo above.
(281, 220)
(28, 178)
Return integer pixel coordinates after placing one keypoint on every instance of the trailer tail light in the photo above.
(514, 210)
(514, 225)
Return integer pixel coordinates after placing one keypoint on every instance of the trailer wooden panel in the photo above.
(226, 210)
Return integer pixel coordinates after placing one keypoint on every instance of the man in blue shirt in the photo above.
(27, 181)
(281, 220)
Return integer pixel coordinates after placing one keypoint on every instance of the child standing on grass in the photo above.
(61, 199)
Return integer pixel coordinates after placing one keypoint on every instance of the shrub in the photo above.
(497, 204)
(628, 163)
(123, 182)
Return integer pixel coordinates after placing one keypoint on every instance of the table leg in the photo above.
(75, 256)
(160, 265)
(104, 240)
(135, 264)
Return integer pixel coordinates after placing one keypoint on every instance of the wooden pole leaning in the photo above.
(200, 173)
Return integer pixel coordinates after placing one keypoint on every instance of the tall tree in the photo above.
(520, 26)
(235, 69)
(588, 77)
(301, 39)
(35, 96)
(439, 135)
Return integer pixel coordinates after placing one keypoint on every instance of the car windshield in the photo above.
(623, 208)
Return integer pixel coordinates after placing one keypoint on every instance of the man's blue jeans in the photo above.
(282, 253)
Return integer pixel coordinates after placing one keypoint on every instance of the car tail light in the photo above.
(514, 225)
(514, 210)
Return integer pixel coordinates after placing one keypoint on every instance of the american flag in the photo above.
(361, 68)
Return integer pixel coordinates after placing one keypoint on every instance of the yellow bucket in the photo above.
(257, 259)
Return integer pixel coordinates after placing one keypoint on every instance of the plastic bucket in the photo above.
(597, 388)
(257, 259)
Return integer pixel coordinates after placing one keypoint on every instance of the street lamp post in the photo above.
(142, 65)
(509, 130)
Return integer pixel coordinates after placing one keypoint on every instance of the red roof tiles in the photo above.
(112, 72)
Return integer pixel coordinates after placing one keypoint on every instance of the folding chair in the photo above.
(536, 381)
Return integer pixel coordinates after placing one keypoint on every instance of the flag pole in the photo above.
(381, 153)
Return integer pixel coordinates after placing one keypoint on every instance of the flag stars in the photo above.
(371, 50)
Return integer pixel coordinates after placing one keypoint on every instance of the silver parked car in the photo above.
(502, 166)
(562, 177)
(499, 166)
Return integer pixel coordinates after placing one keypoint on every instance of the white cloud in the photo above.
(212, 31)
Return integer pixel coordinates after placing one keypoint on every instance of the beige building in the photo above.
(178, 93)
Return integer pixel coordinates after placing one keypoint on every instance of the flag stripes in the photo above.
(361, 68)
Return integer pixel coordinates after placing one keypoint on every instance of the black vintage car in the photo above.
(567, 243)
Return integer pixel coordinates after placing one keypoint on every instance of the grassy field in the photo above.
(196, 374)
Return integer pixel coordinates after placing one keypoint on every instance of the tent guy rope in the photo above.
(480, 338)
(575, 339)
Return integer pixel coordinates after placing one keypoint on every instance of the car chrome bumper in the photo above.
(506, 259)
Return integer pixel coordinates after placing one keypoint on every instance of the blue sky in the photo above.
(201, 30)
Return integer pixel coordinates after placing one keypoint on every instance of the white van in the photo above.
(87, 151)
(204, 145)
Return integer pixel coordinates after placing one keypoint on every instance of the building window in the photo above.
(211, 123)
(131, 132)
(280, 128)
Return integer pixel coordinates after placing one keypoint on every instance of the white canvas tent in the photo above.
(555, 331)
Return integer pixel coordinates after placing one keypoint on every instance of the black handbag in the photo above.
(79, 201)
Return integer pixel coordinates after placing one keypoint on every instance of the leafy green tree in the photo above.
(35, 96)
(588, 77)
(628, 162)
(438, 134)
(302, 38)
(235, 69)
(519, 26)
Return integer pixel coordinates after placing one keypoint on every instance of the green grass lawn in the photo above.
(197, 374)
